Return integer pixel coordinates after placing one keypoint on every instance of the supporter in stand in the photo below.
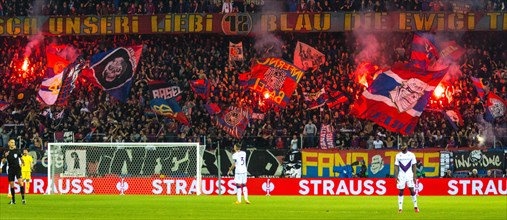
(166, 57)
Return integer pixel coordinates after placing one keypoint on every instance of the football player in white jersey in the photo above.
(240, 173)
(404, 172)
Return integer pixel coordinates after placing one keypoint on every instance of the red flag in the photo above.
(397, 98)
(275, 79)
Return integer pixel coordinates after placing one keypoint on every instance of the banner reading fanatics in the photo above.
(242, 23)
(380, 163)
(267, 186)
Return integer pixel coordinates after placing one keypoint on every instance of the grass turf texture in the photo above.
(262, 207)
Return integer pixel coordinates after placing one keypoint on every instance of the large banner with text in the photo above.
(242, 23)
(379, 163)
(267, 186)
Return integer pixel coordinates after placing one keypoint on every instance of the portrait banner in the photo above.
(397, 97)
(114, 70)
(306, 57)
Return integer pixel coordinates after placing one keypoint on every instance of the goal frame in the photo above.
(197, 145)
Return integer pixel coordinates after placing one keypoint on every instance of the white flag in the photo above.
(236, 51)
(306, 57)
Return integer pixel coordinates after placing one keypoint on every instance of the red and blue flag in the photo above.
(480, 87)
(234, 121)
(397, 97)
(201, 88)
(424, 50)
(275, 79)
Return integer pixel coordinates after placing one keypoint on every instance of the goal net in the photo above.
(125, 168)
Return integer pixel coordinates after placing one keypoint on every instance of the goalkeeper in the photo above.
(26, 169)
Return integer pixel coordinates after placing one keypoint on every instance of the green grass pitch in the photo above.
(262, 207)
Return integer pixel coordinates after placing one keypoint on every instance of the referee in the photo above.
(13, 158)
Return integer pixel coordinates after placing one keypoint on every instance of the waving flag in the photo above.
(244, 78)
(113, 71)
(450, 50)
(481, 88)
(275, 79)
(454, 117)
(212, 108)
(397, 98)
(49, 89)
(164, 100)
(495, 107)
(164, 90)
(234, 121)
(236, 51)
(4, 105)
(69, 77)
(169, 108)
(50, 86)
(201, 87)
(335, 98)
(306, 57)
(316, 99)
(424, 50)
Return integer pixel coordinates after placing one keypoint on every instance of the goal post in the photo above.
(125, 168)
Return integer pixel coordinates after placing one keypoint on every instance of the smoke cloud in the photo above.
(36, 39)
(267, 44)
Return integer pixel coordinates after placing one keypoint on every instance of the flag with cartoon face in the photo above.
(397, 97)
(113, 70)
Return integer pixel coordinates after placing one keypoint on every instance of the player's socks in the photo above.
(22, 190)
(27, 187)
(13, 195)
(245, 193)
(400, 202)
(239, 194)
(414, 199)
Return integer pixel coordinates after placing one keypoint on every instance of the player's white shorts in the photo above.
(405, 180)
(240, 178)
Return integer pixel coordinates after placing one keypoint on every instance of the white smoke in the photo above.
(36, 39)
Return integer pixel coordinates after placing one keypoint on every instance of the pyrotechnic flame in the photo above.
(365, 73)
(25, 65)
(266, 95)
(439, 91)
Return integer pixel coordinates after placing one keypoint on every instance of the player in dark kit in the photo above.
(14, 161)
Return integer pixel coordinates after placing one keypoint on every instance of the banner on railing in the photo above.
(379, 163)
(477, 159)
(267, 186)
(242, 23)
